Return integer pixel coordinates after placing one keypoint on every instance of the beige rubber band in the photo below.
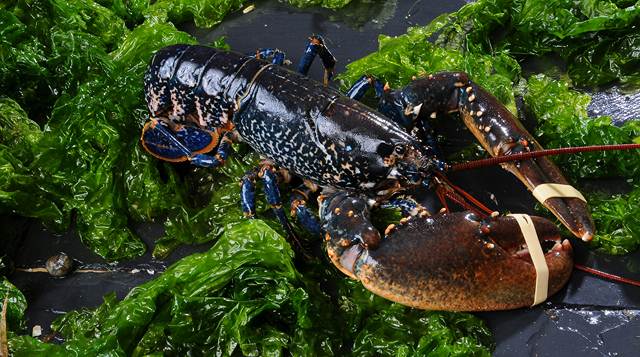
(546, 191)
(537, 256)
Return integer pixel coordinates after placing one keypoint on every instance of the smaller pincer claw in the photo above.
(348, 231)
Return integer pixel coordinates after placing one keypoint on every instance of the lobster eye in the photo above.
(399, 149)
(384, 149)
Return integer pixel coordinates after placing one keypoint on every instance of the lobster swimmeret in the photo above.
(201, 99)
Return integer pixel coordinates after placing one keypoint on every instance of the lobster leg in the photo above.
(184, 143)
(268, 175)
(497, 130)
(248, 194)
(277, 56)
(300, 210)
(362, 85)
(316, 47)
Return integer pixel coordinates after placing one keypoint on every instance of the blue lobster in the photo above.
(201, 100)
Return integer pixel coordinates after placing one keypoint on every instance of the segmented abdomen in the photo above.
(192, 83)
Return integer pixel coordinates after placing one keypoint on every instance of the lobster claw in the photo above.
(500, 133)
(447, 262)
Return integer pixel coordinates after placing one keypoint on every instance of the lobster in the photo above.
(202, 99)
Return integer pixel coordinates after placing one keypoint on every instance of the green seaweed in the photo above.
(618, 222)
(597, 40)
(16, 306)
(563, 121)
(74, 164)
(246, 296)
(400, 58)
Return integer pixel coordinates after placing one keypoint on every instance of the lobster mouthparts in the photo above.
(457, 262)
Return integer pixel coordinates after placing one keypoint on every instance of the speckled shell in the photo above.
(312, 130)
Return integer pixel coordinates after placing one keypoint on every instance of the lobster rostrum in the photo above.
(202, 99)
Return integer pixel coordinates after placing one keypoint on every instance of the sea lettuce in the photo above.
(245, 295)
(597, 40)
(400, 58)
(16, 306)
(563, 121)
(75, 165)
(618, 221)
(330, 4)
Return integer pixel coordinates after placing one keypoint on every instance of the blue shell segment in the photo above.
(190, 84)
(271, 188)
(310, 53)
(315, 47)
(185, 80)
(359, 88)
(158, 140)
(362, 85)
(308, 220)
(315, 131)
(158, 76)
(217, 160)
(179, 145)
(278, 58)
(248, 194)
(196, 139)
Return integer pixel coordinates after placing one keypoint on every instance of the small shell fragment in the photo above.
(248, 9)
(59, 265)
(36, 331)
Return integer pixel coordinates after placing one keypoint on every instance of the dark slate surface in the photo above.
(590, 317)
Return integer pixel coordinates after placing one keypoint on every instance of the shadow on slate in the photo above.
(590, 316)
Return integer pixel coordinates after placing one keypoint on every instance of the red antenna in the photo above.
(533, 154)
(607, 275)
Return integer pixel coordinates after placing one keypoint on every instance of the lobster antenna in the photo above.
(608, 276)
(539, 153)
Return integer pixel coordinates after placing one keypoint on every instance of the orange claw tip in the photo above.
(587, 236)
